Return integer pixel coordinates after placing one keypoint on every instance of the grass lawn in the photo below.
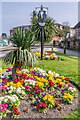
(68, 68)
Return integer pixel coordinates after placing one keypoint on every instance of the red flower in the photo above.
(15, 108)
(60, 108)
(55, 104)
(31, 95)
(67, 79)
(54, 58)
(59, 102)
(21, 77)
(37, 92)
(27, 108)
(19, 113)
(22, 81)
(16, 80)
(65, 82)
(51, 83)
(24, 75)
(58, 77)
(35, 88)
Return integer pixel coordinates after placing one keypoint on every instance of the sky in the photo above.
(19, 13)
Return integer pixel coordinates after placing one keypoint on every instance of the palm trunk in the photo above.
(14, 72)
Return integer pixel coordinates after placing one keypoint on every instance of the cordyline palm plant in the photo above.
(49, 30)
(21, 56)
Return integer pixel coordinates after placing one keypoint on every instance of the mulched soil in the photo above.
(51, 113)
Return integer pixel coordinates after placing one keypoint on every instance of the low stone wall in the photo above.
(75, 45)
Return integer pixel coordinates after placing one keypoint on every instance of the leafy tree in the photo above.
(21, 56)
(49, 30)
(66, 28)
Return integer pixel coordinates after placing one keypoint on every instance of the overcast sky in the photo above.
(18, 13)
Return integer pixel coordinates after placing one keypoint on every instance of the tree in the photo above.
(66, 28)
(4, 36)
(21, 56)
(49, 30)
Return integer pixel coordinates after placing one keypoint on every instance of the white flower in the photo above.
(11, 87)
(47, 56)
(56, 75)
(10, 91)
(13, 99)
(5, 100)
(23, 92)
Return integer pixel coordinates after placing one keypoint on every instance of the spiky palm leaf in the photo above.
(49, 30)
(21, 56)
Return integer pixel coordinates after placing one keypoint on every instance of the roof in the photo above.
(77, 25)
(22, 26)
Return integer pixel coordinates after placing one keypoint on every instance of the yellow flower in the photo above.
(39, 84)
(31, 70)
(67, 96)
(0, 80)
(62, 77)
(62, 83)
(18, 71)
(8, 84)
(11, 83)
(45, 98)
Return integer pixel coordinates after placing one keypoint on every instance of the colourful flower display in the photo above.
(43, 89)
(48, 56)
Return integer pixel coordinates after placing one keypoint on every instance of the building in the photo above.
(60, 26)
(25, 28)
(77, 30)
(72, 32)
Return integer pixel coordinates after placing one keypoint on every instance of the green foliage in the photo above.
(21, 56)
(68, 67)
(49, 30)
(75, 114)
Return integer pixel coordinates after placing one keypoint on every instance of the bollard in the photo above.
(52, 48)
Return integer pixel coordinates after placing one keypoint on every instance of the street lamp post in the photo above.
(41, 21)
(67, 36)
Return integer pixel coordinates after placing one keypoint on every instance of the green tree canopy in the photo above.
(21, 56)
(49, 30)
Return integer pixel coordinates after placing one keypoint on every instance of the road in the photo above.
(68, 52)
(47, 48)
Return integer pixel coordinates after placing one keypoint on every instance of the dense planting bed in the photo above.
(35, 92)
(48, 56)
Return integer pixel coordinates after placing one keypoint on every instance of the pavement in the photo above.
(68, 52)
(5, 50)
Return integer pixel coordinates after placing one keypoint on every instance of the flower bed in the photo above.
(45, 90)
(48, 56)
